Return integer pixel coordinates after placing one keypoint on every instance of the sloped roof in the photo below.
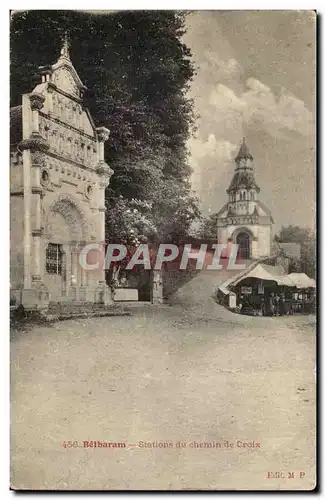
(243, 152)
(271, 273)
(257, 270)
(16, 125)
(265, 209)
(273, 270)
(243, 178)
(301, 280)
(240, 275)
(224, 287)
(222, 209)
(64, 61)
(267, 273)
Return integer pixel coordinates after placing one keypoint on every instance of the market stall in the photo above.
(304, 293)
(267, 291)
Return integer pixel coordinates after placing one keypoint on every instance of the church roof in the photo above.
(16, 125)
(63, 75)
(243, 152)
(223, 209)
(243, 178)
(265, 209)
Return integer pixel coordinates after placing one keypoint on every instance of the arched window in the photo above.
(54, 259)
(252, 195)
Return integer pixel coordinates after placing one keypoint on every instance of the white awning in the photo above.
(301, 280)
(269, 273)
(266, 273)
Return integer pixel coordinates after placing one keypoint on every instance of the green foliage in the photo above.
(307, 240)
(138, 72)
(175, 209)
(129, 221)
(208, 227)
(292, 234)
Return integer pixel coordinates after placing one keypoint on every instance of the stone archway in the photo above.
(68, 207)
(65, 227)
(243, 238)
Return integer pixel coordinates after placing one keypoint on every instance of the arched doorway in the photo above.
(243, 241)
(65, 228)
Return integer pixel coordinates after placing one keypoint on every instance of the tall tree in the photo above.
(307, 240)
(138, 71)
(208, 227)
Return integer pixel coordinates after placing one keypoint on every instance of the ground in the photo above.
(196, 373)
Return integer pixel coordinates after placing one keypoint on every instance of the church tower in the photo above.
(244, 220)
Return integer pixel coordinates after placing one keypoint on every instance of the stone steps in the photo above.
(75, 306)
(96, 314)
(67, 310)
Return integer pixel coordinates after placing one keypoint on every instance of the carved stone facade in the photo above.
(58, 179)
(244, 220)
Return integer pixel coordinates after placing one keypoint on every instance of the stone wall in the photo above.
(16, 242)
(174, 278)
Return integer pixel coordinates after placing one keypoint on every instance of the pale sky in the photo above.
(255, 78)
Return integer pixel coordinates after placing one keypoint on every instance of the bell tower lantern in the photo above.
(244, 220)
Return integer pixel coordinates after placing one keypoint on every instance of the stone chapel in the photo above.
(244, 220)
(57, 184)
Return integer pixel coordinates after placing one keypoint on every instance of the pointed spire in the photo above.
(243, 152)
(64, 53)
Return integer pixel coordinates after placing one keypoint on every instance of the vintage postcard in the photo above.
(163, 250)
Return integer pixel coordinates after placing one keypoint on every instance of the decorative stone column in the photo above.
(27, 217)
(74, 271)
(64, 272)
(84, 292)
(36, 103)
(83, 276)
(101, 210)
(34, 296)
(50, 98)
(102, 136)
(104, 174)
(157, 294)
(37, 193)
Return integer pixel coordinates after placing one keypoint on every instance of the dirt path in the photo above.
(165, 374)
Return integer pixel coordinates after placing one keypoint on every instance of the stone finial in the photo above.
(64, 52)
(37, 101)
(243, 152)
(102, 134)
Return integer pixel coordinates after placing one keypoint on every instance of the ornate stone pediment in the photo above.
(64, 80)
(65, 77)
